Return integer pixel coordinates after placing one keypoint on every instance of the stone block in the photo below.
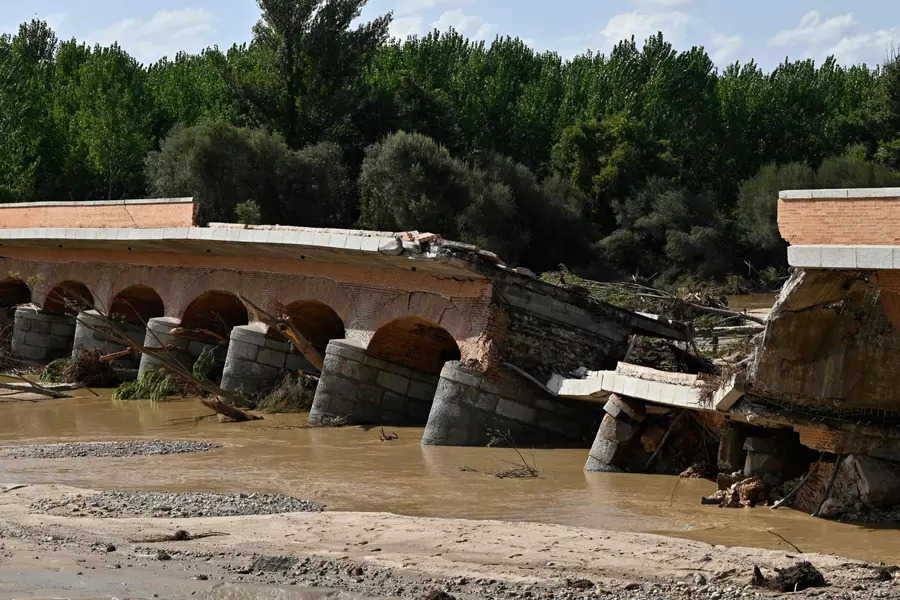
(30, 352)
(421, 390)
(242, 350)
(358, 371)
(516, 411)
(878, 480)
(39, 326)
(347, 350)
(731, 455)
(277, 345)
(248, 334)
(759, 463)
(603, 454)
(33, 338)
(485, 401)
(617, 430)
(766, 445)
(392, 381)
(272, 358)
(618, 407)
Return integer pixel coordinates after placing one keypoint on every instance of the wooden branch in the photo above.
(115, 355)
(215, 403)
(834, 474)
(287, 329)
(665, 437)
(796, 489)
(201, 335)
(33, 387)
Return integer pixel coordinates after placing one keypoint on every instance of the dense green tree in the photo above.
(311, 63)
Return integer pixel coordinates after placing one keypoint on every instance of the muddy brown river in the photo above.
(351, 469)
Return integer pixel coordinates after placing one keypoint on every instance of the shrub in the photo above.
(152, 384)
(295, 393)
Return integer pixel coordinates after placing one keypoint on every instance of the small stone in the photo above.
(699, 579)
(163, 555)
(110, 548)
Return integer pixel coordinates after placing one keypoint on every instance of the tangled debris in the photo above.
(799, 577)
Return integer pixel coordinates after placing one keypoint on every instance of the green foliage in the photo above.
(221, 166)
(152, 384)
(248, 213)
(204, 364)
(53, 371)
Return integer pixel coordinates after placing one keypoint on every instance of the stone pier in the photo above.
(362, 389)
(159, 335)
(92, 333)
(256, 363)
(42, 336)
(471, 409)
(620, 425)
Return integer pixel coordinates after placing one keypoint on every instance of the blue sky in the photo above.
(768, 30)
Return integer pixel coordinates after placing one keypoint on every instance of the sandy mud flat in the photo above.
(313, 554)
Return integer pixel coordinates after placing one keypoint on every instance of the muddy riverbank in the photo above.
(376, 555)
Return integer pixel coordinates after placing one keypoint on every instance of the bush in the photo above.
(222, 166)
(247, 213)
(85, 367)
(408, 181)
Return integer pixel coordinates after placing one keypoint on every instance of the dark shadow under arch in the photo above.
(316, 321)
(14, 291)
(137, 304)
(68, 298)
(215, 311)
(414, 342)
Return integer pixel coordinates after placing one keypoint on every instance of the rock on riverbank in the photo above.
(107, 449)
(165, 504)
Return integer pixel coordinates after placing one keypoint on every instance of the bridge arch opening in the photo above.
(14, 291)
(136, 304)
(68, 298)
(317, 321)
(416, 343)
(214, 314)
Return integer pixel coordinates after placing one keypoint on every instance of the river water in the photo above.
(351, 469)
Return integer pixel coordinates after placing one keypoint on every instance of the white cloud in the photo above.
(814, 30)
(725, 48)
(403, 27)
(164, 34)
(870, 47)
(642, 24)
(663, 3)
(407, 7)
(472, 26)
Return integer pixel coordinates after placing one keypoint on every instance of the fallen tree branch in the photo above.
(32, 387)
(285, 327)
(215, 403)
(665, 437)
(796, 489)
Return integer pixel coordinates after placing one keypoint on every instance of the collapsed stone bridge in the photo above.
(414, 329)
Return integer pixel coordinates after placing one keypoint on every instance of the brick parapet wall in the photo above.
(840, 217)
(137, 214)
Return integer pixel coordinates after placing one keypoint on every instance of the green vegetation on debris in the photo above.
(294, 393)
(152, 384)
(647, 163)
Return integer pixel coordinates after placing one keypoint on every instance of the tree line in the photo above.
(645, 162)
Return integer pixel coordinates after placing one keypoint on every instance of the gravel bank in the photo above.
(165, 504)
(107, 449)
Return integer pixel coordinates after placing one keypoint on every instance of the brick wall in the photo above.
(857, 219)
(139, 214)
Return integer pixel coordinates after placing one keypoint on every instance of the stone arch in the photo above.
(14, 291)
(414, 342)
(68, 298)
(317, 321)
(137, 304)
(215, 311)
